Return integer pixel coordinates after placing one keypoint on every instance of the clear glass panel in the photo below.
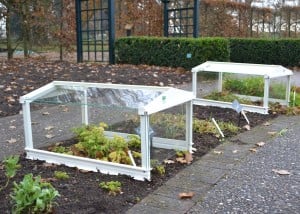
(170, 123)
(99, 97)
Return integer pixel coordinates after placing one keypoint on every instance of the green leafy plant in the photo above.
(227, 96)
(134, 141)
(113, 187)
(208, 127)
(93, 143)
(157, 167)
(253, 86)
(171, 125)
(61, 175)
(180, 153)
(32, 195)
(160, 169)
(11, 165)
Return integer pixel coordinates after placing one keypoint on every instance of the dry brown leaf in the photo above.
(188, 157)
(8, 89)
(45, 113)
(48, 128)
(186, 195)
(253, 150)
(181, 160)
(169, 161)
(281, 171)
(10, 99)
(267, 124)
(260, 144)
(218, 152)
(272, 133)
(43, 180)
(84, 171)
(49, 136)
(247, 127)
(1, 166)
(12, 140)
(49, 165)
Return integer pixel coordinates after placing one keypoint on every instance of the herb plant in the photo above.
(32, 195)
(11, 166)
(61, 175)
(113, 187)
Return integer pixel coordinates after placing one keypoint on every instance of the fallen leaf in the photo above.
(282, 132)
(272, 133)
(12, 140)
(169, 161)
(45, 113)
(181, 160)
(84, 171)
(1, 166)
(49, 136)
(188, 157)
(260, 144)
(253, 150)
(49, 165)
(281, 172)
(186, 195)
(247, 127)
(10, 99)
(43, 180)
(267, 124)
(8, 89)
(218, 152)
(48, 128)
(34, 123)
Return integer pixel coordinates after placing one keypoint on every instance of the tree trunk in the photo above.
(10, 50)
(25, 28)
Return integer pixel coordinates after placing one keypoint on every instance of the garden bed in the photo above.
(81, 192)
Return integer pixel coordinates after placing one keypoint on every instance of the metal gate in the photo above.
(95, 30)
(181, 18)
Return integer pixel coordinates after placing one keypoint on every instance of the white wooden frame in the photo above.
(265, 71)
(170, 97)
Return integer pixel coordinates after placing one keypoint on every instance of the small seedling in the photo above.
(113, 187)
(160, 169)
(61, 175)
(11, 166)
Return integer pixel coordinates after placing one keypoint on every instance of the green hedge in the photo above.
(284, 52)
(171, 52)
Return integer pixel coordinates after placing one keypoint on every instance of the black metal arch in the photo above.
(95, 30)
(181, 18)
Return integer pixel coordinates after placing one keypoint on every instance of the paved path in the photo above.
(238, 180)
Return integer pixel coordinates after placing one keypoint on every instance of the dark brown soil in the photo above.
(81, 192)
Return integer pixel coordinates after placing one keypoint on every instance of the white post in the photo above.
(84, 108)
(266, 92)
(288, 90)
(145, 142)
(194, 79)
(189, 126)
(27, 125)
(220, 81)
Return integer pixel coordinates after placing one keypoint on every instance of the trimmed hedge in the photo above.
(284, 52)
(171, 52)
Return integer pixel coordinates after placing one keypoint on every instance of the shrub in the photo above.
(171, 52)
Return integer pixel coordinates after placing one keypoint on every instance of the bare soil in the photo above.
(81, 193)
